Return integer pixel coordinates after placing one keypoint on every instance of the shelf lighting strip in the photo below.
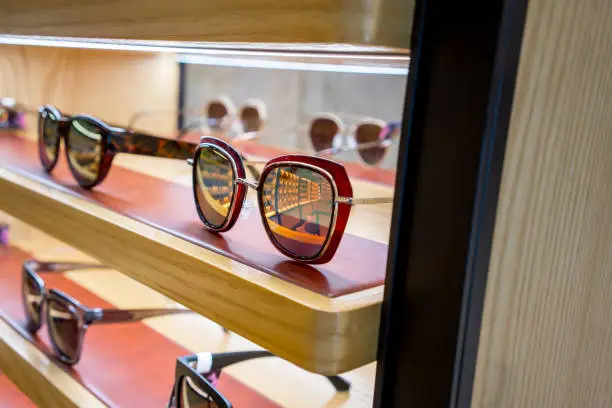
(315, 57)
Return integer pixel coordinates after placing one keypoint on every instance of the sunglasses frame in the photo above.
(85, 316)
(190, 367)
(334, 172)
(115, 140)
(350, 132)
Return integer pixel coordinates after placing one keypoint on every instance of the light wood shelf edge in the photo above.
(317, 333)
(43, 382)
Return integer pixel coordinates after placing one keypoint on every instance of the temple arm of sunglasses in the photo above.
(36, 266)
(373, 200)
(148, 145)
(141, 114)
(104, 316)
(208, 362)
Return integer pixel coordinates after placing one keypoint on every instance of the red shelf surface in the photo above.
(358, 264)
(124, 365)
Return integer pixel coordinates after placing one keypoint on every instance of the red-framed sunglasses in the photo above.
(91, 144)
(304, 201)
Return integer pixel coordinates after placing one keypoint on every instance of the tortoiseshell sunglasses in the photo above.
(67, 319)
(304, 201)
(92, 144)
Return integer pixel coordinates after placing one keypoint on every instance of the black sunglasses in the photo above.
(67, 319)
(196, 378)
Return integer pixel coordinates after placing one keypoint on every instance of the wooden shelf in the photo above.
(45, 383)
(317, 21)
(316, 332)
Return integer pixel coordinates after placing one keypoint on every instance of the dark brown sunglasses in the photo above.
(196, 377)
(67, 319)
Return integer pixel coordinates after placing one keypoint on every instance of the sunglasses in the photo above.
(304, 201)
(67, 319)
(221, 117)
(196, 378)
(91, 144)
(371, 137)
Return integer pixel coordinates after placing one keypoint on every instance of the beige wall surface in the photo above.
(546, 338)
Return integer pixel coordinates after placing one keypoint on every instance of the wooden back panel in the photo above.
(546, 338)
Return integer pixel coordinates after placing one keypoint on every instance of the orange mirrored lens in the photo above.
(370, 133)
(322, 133)
(214, 186)
(298, 203)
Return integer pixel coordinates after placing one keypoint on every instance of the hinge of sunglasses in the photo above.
(93, 315)
(190, 162)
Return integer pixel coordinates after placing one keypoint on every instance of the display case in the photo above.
(332, 186)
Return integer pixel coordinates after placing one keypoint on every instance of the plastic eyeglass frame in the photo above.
(195, 367)
(116, 140)
(393, 128)
(85, 316)
(334, 172)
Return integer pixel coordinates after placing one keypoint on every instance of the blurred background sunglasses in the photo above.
(67, 319)
(196, 378)
(369, 137)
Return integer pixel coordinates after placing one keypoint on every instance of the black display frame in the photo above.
(463, 69)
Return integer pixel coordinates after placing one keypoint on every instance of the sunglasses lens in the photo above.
(298, 204)
(192, 396)
(49, 138)
(85, 148)
(322, 133)
(214, 186)
(63, 328)
(370, 133)
(32, 300)
(216, 112)
(250, 119)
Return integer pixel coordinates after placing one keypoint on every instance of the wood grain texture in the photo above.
(546, 338)
(109, 84)
(320, 334)
(46, 384)
(381, 22)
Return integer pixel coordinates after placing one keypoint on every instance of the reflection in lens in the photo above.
(63, 328)
(299, 208)
(251, 122)
(32, 300)
(216, 112)
(192, 396)
(214, 186)
(322, 133)
(84, 147)
(370, 133)
(50, 136)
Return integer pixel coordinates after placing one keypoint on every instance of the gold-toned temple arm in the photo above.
(373, 200)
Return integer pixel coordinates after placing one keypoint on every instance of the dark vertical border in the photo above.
(181, 96)
(458, 100)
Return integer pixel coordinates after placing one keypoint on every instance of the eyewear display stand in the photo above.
(323, 318)
(123, 365)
